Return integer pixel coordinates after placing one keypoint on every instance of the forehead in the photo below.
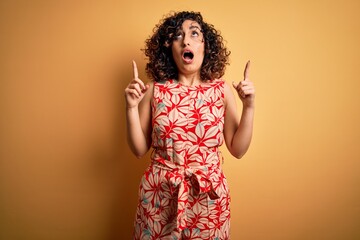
(190, 24)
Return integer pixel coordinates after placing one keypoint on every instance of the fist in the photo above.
(136, 89)
(245, 88)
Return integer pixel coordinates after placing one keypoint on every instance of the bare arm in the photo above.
(238, 133)
(138, 114)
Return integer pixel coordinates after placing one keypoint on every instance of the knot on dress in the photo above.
(179, 178)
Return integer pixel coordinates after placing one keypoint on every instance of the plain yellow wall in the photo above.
(66, 171)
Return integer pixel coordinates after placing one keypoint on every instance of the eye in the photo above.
(194, 34)
(178, 35)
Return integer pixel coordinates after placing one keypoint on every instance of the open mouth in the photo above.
(188, 56)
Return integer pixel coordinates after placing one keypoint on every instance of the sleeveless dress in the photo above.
(183, 194)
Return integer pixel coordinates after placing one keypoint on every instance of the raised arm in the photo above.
(238, 133)
(138, 114)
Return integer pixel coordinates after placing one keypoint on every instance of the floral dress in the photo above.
(183, 194)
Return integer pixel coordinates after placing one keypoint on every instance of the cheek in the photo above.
(201, 52)
(201, 49)
(176, 53)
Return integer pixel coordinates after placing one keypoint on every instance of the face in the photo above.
(188, 48)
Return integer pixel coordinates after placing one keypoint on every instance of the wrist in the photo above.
(131, 108)
(249, 106)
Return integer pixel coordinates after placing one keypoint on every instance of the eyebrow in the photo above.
(192, 27)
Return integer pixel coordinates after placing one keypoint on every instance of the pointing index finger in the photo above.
(136, 74)
(246, 71)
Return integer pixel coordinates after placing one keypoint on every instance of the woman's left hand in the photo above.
(246, 89)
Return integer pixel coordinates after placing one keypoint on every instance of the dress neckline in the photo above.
(201, 84)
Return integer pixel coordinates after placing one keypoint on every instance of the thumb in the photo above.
(234, 84)
(147, 86)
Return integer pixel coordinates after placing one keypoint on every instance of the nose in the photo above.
(186, 40)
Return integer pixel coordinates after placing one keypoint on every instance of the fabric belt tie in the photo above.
(177, 177)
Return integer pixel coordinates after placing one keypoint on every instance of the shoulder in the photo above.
(227, 87)
(228, 93)
(222, 82)
(149, 92)
(151, 85)
(165, 83)
(216, 81)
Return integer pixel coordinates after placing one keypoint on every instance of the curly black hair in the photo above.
(161, 65)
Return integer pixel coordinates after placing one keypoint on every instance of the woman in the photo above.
(185, 114)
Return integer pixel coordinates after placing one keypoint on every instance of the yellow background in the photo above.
(66, 171)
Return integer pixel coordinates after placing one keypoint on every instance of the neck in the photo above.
(189, 80)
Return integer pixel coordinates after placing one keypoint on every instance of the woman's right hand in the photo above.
(136, 90)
